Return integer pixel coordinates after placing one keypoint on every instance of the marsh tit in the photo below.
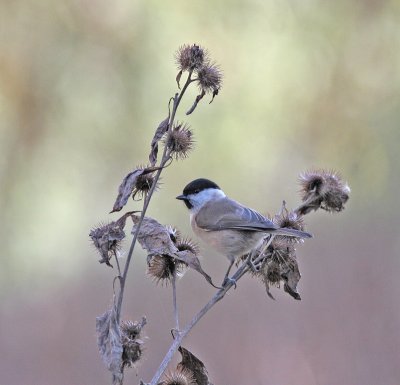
(226, 225)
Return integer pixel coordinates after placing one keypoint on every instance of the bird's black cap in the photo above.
(199, 185)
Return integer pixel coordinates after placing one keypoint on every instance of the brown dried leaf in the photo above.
(109, 343)
(125, 189)
(178, 78)
(291, 278)
(192, 363)
(196, 102)
(161, 130)
(192, 261)
(154, 237)
(156, 240)
(128, 184)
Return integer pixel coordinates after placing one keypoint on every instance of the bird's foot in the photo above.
(229, 281)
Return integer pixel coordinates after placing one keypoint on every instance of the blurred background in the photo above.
(84, 84)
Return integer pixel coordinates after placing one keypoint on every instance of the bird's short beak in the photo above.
(181, 197)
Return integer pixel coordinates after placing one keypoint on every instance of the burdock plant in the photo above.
(169, 253)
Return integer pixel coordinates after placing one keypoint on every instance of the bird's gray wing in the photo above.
(225, 214)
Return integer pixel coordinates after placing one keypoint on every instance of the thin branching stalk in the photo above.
(165, 158)
(174, 302)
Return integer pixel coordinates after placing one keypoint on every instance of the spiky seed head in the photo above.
(290, 220)
(131, 343)
(143, 184)
(107, 240)
(323, 189)
(174, 233)
(279, 256)
(189, 245)
(210, 78)
(272, 273)
(162, 268)
(131, 329)
(132, 351)
(181, 376)
(190, 57)
(180, 141)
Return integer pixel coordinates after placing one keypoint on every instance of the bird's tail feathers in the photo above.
(292, 233)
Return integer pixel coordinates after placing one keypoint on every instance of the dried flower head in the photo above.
(131, 343)
(107, 240)
(163, 267)
(180, 141)
(290, 220)
(187, 244)
(280, 265)
(190, 57)
(174, 233)
(143, 184)
(323, 189)
(180, 376)
(210, 78)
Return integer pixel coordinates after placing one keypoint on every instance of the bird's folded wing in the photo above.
(226, 214)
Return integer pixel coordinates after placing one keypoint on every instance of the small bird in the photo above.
(226, 225)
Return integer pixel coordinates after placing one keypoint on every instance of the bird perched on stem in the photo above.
(226, 225)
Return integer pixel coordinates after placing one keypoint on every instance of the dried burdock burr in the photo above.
(186, 244)
(190, 57)
(107, 238)
(162, 268)
(180, 141)
(322, 189)
(143, 184)
(180, 376)
(280, 265)
(290, 220)
(210, 79)
(132, 344)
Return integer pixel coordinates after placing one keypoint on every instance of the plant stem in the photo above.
(165, 157)
(182, 334)
(176, 315)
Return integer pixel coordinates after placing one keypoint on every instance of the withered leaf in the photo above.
(109, 343)
(291, 278)
(125, 189)
(154, 237)
(192, 363)
(128, 184)
(268, 291)
(192, 261)
(161, 130)
(178, 78)
(196, 102)
(156, 240)
(215, 93)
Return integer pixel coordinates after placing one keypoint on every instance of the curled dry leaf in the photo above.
(161, 130)
(107, 238)
(196, 102)
(154, 237)
(156, 240)
(291, 278)
(128, 184)
(109, 343)
(192, 363)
